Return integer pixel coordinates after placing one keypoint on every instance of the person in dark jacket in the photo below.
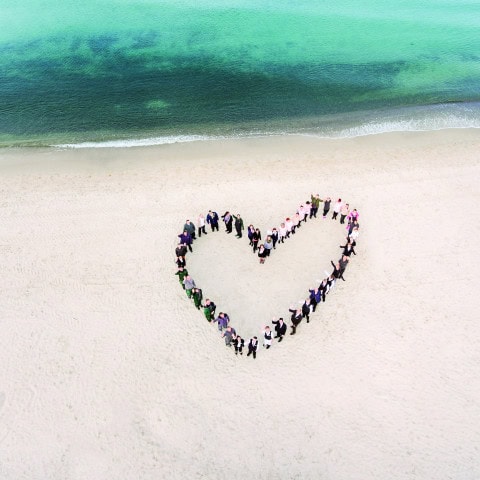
(337, 271)
(296, 318)
(262, 253)
(186, 239)
(353, 224)
(323, 288)
(306, 309)
(197, 295)
(280, 328)
(212, 220)
(180, 252)
(228, 220)
(315, 298)
(250, 232)
(274, 236)
(343, 262)
(180, 261)
(256, 237)
(238, 344)
(238, 225)
(326, 206)
(253, 347)
(348, 249)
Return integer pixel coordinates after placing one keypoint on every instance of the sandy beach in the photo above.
(109, 372)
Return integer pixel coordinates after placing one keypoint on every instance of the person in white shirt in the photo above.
(289, 226)
(282, 232)
(301, 213)
(252, 347)
(201, 225)
(336, 208)
(267, 337)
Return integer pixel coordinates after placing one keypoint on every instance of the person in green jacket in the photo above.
(182, 273)
(315, 201)
(197, 297)
(209, 309)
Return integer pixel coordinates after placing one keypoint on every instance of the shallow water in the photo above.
(115, 70)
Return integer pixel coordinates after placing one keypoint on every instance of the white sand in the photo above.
(108, 372)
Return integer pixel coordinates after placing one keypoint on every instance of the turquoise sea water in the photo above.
(121, 70)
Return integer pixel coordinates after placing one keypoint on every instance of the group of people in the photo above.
(275, 236)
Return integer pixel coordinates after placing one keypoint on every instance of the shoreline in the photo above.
(419, 118)
(212, 150)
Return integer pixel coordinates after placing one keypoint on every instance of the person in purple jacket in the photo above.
(186, 239)
(222, 321)
(315, 298)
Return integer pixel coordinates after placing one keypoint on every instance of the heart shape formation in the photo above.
(288, 230)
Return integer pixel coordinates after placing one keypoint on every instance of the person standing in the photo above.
(289, 226)
(209, 309)
(348, 248)
(182, 273)
(250, 232)
(315, 205)
(197, 295)
(337, 271)
(315, 298)
(323, 289)
(229, 335)
(343, 262)
(354, 235)
(228, 220)
(238, 344)
(256, 237)
(274, 237)
(267, 337)
(282, 233)
(326, 206)
(344, 211)
(268, 245)
(180, 252)
(280, 328)
(306, 309)
(336, 208)
(190, 228)
(252, 347)
(238, 225)
(222, 321)
(353, 224)
(212, 220)
(201, 225)
(308, 210)
(296, 318)
(302, 217)
(186, 239)
(262, 253)
(352, 216)
(189, 284)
